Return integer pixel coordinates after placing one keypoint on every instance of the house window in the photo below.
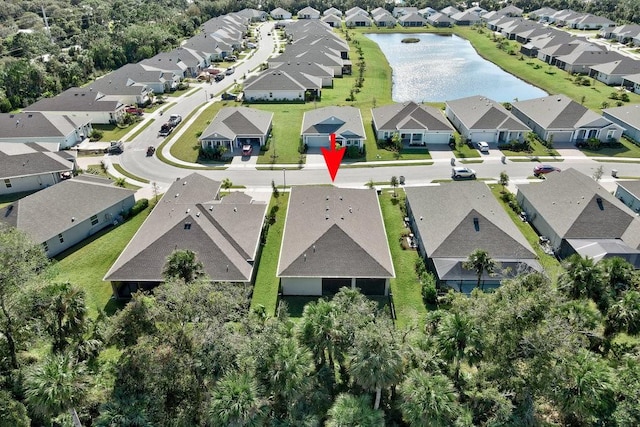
(610, 133)
(94, 220)
(7, 183)
(61, 238)
(45, 247)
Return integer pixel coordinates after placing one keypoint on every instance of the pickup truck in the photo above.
(175, 119)
(166, 129)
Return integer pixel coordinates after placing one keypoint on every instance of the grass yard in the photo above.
(537, 149)
(265, 290)
(86, 264)
(549, 78)
(124, 172)
(407, 296)
(549, 262)
(113, 132)
(628, 149)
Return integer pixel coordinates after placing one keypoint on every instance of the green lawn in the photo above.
(86, 263)
(407, 297)
(124, 172)
(113, 132)
(265, 290)
(628, 149)
(549, 262)
(537, 149)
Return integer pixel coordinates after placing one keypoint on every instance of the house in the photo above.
(334, 21)
(579, 62)
(413, 19)
(82, 104)
(613, 73)
(510, 10)
(234, 127)
(121, 86)
(465, 18)
(622, 33)
(279, 13)
(355, 10)
(399, 11)
(357, 20)
(308, 13)
(481, 119)
(439, 20)
(136, 76)
(65, 130)
(427, 12)
(543, 14)
(417, 124)
(627, 116)
(632, 82)
(449, 10)
(562, 47)
(384, 19)
(334, 237)
(450, 221)
(590, 22)
(565, 120)
(577, 215)
(31, 166)
(628, 192)
(223, 232)
(316, 54)
(344, 122)
(253, 15)
(276, 84)
(332, 11)
(476, 10)
(65, 214)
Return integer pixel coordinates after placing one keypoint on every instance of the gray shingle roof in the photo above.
(445, 216)
(627, 114)
(334, 232)
(225, 236)
(478, 112)
(396, 117)
(633, 187)
(34, 163)
(50, 211)
(276, 79)
(231, 122)
(556, 112)
(338, 120)
(575, 206)
(37, 125)
(76, 99)
(621, 67)
(590, 57)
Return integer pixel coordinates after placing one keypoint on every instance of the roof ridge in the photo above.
(222, 231)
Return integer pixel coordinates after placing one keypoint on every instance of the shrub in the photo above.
(96, 135)
(140, 205)
(429, 290)
(353, 152)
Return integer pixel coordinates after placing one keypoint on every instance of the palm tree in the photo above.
(318, 331)
(65, 312)
(375, 362)
(56, 385)
(480, 262)
(236, 401)
(624, 315)
(582, 279)
(353, 411)
(459, 339)
(429, 400)
(619, 274)
(123, 412)
(182, 264)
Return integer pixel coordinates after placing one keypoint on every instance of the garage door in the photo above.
(437, 138)
(562, 137)
(317, 141)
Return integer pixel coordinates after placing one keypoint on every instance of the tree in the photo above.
(184, 265)
(618, 274)
(227, 184)
(394, 183)
(396, 144)
(624, 315)
(12, 412)
(480, 262)
(597, 174)
(318, 331)
(64, 313)
(274, 189)
(353, 411)
(236, 401)
(583, 279)
(56, 385)
(504, 179)
(429, 400)
(459, 339)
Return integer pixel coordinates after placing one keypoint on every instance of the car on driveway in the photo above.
(483, 146)
(247, 149)
(544, 169)
(460, 172)
(229, 96)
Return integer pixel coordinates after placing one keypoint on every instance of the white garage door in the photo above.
(318, 141)
(437, 138)
(562, 137)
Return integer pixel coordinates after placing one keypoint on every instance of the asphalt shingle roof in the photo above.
(338, 120)
(231, 122)
(409, 115)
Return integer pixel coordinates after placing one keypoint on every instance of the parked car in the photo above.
(175, 119)
(247, 149)
(132, 109)
(483, 146)
(251, 45)
(462, 172)
(230, 71)
(115, 147)
(150, 150)
(231, 58)
(219, 77)
(544, 169)
(229, 96)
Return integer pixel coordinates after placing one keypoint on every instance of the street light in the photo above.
(284, 179)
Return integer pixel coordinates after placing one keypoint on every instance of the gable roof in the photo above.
(466, 16)
(478, 112)
(577, 207)
(621, 67)
(455, 219)
(231, 122)
(338, 120)
(32, 159)
(412, 17)
(53, 210)
(627, 114)
(38, 125)
(225, 234)
(76, 99)
(590, 57)
(559, 112)
(334, 232)
(397, 116)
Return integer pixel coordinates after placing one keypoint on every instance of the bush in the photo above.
(429, 290)
(353, 152)
(96, 135)
(140, 205)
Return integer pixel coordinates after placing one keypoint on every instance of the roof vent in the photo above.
(235, 209)
(326, 208)
(211, 208)
(73, 218)
(184, 183)
(340, 197)
(305, 257)
(188, 210)
(314, 248)
(198, 214)
(327, 197)
(177, 194)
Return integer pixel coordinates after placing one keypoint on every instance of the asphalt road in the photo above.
(135, 161)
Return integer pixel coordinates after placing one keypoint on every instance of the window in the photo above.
(610, 133)
(61, 238)
(94, 220)
(45, 247)
(7, 182)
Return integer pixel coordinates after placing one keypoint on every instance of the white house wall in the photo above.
(274, 95)
(29, 183)
(630, 131)
(539, 223)
(301, 286)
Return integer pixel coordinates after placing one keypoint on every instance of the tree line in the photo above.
(193, 353)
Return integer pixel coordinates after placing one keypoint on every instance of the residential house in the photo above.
(465, 18)
(562, 17)
(477, 10)
(65, 214)
(439, 20)
(413, 19)
(579, 62)
(510, 10)
(334, 21)
(427, 12)
(119, 86)
(253, 15)
(169, 62)
(31, 166)
(622, 33)
(416, 124)
(627, 116)
(65, 130)
(543, 14)
(399, 11)
(355, 10)
(449, 10)
(327, 57)
(344, 122)
(628, 192)
(333, 238)
(451, 221)
(308, 13)
(234, 127)
(279, 13)
(632, 82)
(136, 76)
(332, 11)
(276, 84)
(565, 47)
(223, 232)
(384, 19)
(82, 105)
(613, 73)
(590, 22)
(208, 47)
(358, 20)
(564, 120)
(481, 119)
(577, 215)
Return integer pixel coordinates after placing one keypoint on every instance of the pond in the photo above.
(446, 67)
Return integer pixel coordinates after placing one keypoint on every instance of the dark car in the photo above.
(544, 169)
(116, 147)
(228, 96)
(219, 77)
(150, 150)
(166, 129)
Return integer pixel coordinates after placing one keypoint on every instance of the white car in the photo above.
(483, 147)
(462, 172)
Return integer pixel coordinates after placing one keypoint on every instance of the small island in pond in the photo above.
(410, 40)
